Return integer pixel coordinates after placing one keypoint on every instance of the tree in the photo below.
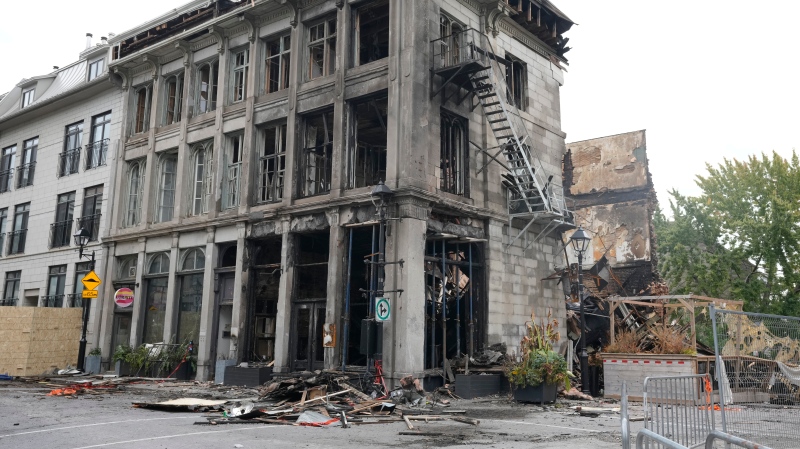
(739, 238)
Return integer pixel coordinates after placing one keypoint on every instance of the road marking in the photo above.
(548, 425)
(93, 424)
(175, 436)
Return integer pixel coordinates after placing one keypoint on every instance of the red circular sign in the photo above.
(123, 297)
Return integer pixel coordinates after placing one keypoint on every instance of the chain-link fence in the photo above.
(759, 386)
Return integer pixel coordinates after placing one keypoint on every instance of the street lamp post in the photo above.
(380, 195)
(81, 239)
(580, 243)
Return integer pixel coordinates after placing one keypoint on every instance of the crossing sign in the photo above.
(383, 310)
(91, 280)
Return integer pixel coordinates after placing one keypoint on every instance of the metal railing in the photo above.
(679, 408)
(92, 224)
(626, 423)
(25, 175)
(758, 375)
(16, 241)
(68, 162)
(96, 153)
(75, 300)
(717, 435)
(6, 177)
(8, 302)
(60, 234)
(51, 301)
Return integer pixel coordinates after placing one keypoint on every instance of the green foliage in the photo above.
(740, 238)
(538, 362)
(121, 353)
(96, 351)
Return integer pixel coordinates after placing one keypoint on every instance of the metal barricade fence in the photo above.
(758, 377)
(679, 408)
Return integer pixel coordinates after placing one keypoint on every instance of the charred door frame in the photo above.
(253, 250)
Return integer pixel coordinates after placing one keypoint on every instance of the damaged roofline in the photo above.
(604, 137)
(187, 8)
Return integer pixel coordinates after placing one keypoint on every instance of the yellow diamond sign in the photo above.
(91, 281)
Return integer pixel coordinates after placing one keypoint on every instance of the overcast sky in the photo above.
(706, 79)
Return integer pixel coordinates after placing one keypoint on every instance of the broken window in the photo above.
(141, 109)
(202, 159)
(366, 149)
(135, 189)
(277, 64)
(190, 295)
(517, 82)
(322, 49)
(233, 170)
(207, 87)
(371, 23)
(239, 64)
(267, 269)
(272, 165)
(155, 300)
(173, 95)
(311, 267)
(453, 160)
(455, 304)
(316, 154)
(450, 33)
(165, 206)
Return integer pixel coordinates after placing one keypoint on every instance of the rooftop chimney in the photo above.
(55, 67)
(103, 40)
(88, 40)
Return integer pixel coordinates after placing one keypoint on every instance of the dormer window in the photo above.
(96, 69)
(27, 97)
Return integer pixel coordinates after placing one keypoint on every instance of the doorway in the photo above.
(307, 321)
(308, 301)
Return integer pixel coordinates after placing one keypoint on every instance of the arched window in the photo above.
(451, 33)
(168, 166)
(159, 264)
(207, 87)
(141, 108)
(135, 187)
(173, 96)
(193, 259)
(228, 258)
(126, 268)
(201, 177)
(453, 154)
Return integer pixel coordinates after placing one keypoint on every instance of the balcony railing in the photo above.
(92, 224)
(60, 234)
(25, 175)
(52, 301)
(68, 162)
(8, 301)
(6, 180)
(16, 241)
(75, 300)
(96, 153)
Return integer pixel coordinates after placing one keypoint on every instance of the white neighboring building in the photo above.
(58, 135)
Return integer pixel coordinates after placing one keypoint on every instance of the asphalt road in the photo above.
(31, 420)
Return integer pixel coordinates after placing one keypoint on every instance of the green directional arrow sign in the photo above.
(383, 310)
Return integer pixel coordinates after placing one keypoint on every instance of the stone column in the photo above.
(208, 311)
(334, 303)
(240, 281)
(137, 318)
(283, 325)
(171, 312)
(404, 334)
(102, 326)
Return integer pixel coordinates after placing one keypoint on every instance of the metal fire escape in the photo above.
(466, 60)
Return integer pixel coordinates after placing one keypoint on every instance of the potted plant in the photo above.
(538, 372)
(122, 366)
(92, 361)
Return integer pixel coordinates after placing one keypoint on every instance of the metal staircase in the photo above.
(467, 60)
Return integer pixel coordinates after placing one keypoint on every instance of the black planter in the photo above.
(477, 385)
(247, 377)
(539, 393)
(122, 368)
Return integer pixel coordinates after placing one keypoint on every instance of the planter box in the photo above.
(477, 385)
(122, 368)
(634, 368)
(247, 377)
(219, 370)
(540, 394)
(91, 364)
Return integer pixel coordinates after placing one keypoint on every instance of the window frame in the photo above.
(239, 71)
(200, 200)
(271, 182)
(172, 100)
(282, 58)
(19, 228)
(160, 215)
(99, 135)
(354, 149)
(27, 163)
(211, 88)
(14, 279)
(133, 202)
(8, 158)
(356, 32)
(141, 104)
(61, 229)
(308, 188)
(457, 182)
(517, 82)
(232, 163)
(328, 43)
(93, 71)
(28, 95)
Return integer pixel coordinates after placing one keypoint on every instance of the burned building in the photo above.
(255, 135)
(609, 181)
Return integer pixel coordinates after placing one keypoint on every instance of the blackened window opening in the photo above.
(359, 289)
(366, 158)
(454, 157)
(264, 305)
(316, 154)
(371, 32)
(455, 300)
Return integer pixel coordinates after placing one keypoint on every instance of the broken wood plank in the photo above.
(408, 423)
(464, 420)
(420, 433)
